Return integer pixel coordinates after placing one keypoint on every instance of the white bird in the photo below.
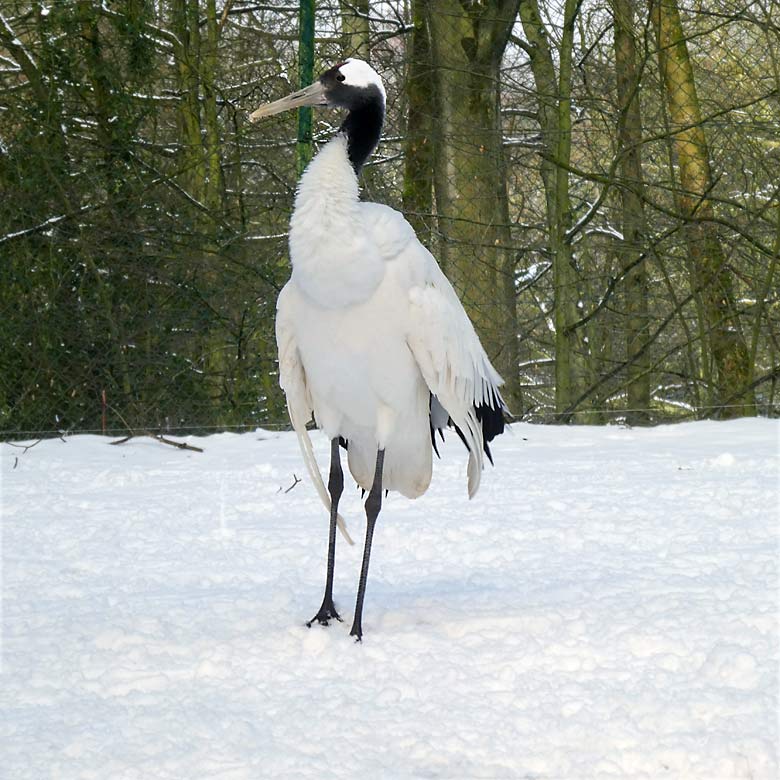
(373, 340)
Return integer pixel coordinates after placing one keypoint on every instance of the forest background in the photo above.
(599, 179)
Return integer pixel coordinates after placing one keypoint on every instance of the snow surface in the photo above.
(606, 607)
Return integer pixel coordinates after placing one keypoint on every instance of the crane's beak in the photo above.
(313, 95)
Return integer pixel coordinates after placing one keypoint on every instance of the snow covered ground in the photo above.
(606, 607)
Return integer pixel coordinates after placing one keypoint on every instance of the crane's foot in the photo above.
(326, 614)
(357, 631)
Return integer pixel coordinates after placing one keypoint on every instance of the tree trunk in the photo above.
(630, 150)
(109, 130)
(201, 176)
(711, 277)
(213, 198)
(196, 61)
(305, 77)
(554, 103)
(467, 44)
(418, 157)
(184, 23)
(354, 27)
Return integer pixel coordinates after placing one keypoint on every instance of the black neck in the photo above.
(363, 127)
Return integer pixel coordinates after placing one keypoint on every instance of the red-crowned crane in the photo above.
(373, 341)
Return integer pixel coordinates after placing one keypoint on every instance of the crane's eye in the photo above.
(341, 77)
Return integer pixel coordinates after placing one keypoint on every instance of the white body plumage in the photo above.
(368, 328)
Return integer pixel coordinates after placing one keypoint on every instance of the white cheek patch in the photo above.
(358, 73)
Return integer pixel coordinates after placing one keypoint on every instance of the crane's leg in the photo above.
(373, 505)
(335, 488)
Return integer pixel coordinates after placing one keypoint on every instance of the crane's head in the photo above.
(350, 85)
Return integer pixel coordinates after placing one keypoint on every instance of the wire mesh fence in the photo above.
(608, 212)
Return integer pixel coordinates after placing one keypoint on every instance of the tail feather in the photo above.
(480, 425)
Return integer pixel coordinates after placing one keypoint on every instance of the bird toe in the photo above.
(325, 615)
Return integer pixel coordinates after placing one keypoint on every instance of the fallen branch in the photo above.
(180, 445)
(158, 436)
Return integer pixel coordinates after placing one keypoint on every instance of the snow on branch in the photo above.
(43, 225)
(19, 51)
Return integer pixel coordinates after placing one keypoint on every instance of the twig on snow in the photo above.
(295, 477)
(24, 447)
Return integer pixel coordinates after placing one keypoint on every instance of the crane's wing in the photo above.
(463, 383)
(292, 379)
(456, 369)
